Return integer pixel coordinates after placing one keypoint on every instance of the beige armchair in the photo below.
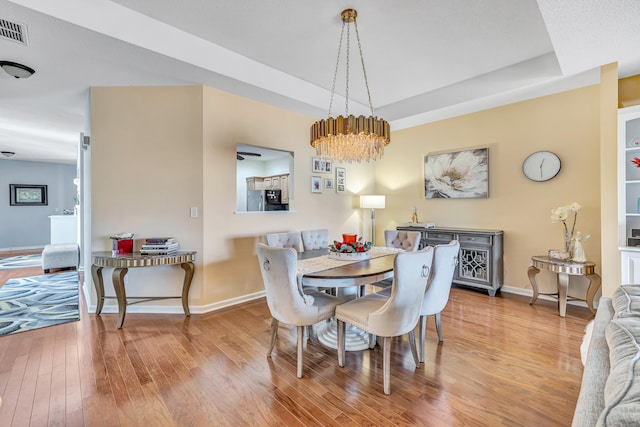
(287, 303)
(285, 240)
(393, 316)
(445, 260)
(315, 239)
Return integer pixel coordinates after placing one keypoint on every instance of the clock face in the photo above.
(541, 166)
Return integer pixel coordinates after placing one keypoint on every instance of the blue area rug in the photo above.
(36, 302)
(22, 261)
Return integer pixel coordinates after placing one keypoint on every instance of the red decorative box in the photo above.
(122, 246)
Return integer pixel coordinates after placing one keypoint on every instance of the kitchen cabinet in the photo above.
(480, 260)
(255, 183)
(284, 186)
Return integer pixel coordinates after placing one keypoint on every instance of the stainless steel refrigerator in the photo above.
(255, 200)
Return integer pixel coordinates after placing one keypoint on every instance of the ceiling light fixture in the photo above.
(16, 70)
(348, 138)
(7, 153)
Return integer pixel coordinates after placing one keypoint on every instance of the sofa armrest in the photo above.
(591, 399)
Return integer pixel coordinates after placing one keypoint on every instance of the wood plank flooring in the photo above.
(502, 363)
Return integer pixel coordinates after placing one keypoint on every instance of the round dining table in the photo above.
(343, 276)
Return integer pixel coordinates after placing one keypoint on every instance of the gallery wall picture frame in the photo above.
(28, 195)
(341, 180)
(328, 183)
(321, 165)
(462, 174)
(316, 184)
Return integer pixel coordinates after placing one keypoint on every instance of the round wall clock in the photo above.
(541, 166)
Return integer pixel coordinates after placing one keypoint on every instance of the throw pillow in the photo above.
(626, 301)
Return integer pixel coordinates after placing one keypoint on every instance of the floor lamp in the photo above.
(372, 202)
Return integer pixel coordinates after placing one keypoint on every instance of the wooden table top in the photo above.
(370, 267)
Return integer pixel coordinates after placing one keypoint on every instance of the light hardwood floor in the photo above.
(502, 362)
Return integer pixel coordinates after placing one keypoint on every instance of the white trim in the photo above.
(529, 293)
(174, 309)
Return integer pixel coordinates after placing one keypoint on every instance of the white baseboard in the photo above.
(22, 248)
(173, 309)
(529, 293)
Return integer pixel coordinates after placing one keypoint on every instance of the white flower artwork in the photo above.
(457, 175)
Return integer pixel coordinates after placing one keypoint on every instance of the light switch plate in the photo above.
(194, 212)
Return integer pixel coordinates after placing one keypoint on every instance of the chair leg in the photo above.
(421, 336)
(372, 341)
(274, 335)
(341, 329)
(412, 344)
(386, 364)
(439, 327)
(300, 350)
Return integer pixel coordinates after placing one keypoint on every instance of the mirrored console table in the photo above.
(480, 263)
(121, 264)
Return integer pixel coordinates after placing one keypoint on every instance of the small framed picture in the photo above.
(328, 183)
(321, 166)
(341, 180)
(316, 165)
(316, 184)
(328, 166)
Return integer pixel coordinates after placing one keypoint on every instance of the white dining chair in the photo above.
(407, 240)
(315, 239)
(287, 303)
(393, 316)
(285, 240)
(445, 260)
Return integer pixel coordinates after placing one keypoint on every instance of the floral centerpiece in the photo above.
(350, 248)
(562, 214)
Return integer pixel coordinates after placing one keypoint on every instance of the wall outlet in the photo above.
(194, 212)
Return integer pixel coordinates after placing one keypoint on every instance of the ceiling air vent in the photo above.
(13, 31)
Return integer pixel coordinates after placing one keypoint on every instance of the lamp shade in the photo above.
(372, 201)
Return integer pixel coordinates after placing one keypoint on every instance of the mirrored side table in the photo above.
(564, 269)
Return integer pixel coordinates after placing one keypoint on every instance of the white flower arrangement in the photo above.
(561, 214)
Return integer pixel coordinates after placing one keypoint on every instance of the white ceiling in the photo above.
(425, 59)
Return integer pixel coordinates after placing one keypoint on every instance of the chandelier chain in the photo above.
(346, 100)
(335, 73)
(364, 70)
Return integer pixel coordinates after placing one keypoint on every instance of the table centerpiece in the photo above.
(351, 248)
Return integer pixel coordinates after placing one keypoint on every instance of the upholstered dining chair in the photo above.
(407, 240)
(393, 316)
(315, 239)
(445, 260)
(285, 240)
(287, 303)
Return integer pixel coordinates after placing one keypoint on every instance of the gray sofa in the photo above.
(610, 390)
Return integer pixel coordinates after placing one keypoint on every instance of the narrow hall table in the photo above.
(564, 269)
(121, 264)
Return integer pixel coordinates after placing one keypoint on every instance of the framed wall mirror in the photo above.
(264, 179)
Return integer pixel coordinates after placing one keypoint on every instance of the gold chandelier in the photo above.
(348, 138)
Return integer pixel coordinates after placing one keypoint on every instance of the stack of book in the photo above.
(160, 246)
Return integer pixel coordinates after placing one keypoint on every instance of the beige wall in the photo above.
(146, 172)
(157, 151)
(566, 123)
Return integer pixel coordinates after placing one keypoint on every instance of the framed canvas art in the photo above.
(27, 195)
(457, 174)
